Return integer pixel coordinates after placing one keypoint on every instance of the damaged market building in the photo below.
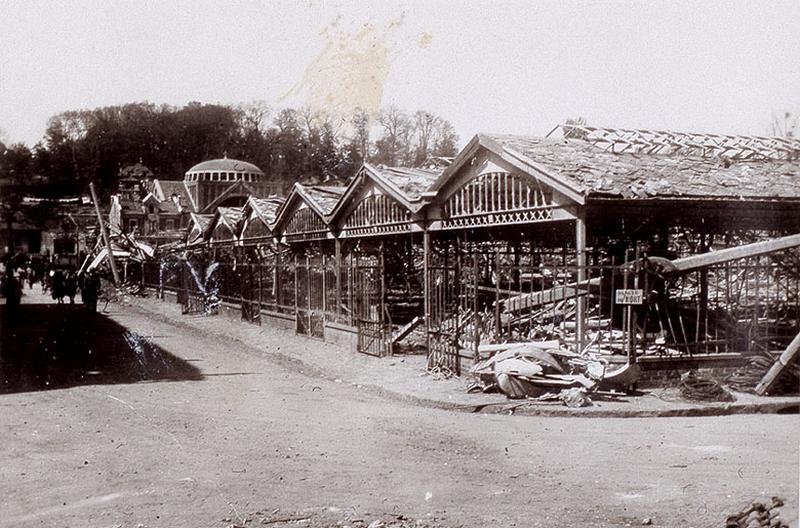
(668, 249)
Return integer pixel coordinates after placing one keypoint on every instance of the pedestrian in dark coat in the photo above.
(57, 286)
(71, 286)
(90, 289)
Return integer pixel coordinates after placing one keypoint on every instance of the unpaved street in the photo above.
(101, 428)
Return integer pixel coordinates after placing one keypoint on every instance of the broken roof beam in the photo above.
(726, 255)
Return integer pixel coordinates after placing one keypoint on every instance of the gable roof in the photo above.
(164, 189)
(325, 197)
(601, 173)
(581, 168)
(519, 161)
(403, 184)
(409, 181)
(198, 224)
(320, 199)
(265, 208)
(230, 216)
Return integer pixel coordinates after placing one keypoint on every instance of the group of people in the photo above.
(61, 283)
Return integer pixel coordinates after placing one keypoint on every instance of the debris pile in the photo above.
(698, 388)
(546, 371)
(758, 515)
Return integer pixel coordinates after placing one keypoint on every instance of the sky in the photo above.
(516, 67)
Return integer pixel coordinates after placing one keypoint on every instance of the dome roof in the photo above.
(225, 165)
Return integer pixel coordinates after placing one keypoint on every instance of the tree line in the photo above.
(289, 144)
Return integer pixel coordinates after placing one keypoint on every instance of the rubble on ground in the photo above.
(758, 515)
(545, 370)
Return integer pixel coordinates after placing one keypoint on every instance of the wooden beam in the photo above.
(426, 280)
(537, 299)
(104, 233)
(726, 255)
(580, 248)
(785, 359)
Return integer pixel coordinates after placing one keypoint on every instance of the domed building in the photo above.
(226, 183)
(159, 210)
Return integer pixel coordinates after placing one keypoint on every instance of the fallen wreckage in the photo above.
(550, 368)
(546, 371)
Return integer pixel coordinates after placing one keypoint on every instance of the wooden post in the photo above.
(426, 280)
(296, 312)
(580, 302)
(633, 314)
(772, 375)
(276, 283)
(702, 300)
(309, 308)
(324, 286)
(382, 314)
(338, 271)
(498, 327)
(476, 318)
(104, 233)
(626, 312)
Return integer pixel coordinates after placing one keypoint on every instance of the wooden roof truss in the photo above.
(642, 141)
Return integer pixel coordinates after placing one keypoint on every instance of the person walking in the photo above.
(57, 285)
(71, 286)
(31, 276)
(90, 289)
(11, 290)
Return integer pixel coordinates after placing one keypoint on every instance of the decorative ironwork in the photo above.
(370, 311)
(497, 198)
(641, 141)
(377, 214)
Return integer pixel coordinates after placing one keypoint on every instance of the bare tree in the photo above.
(252, 116)
(392, 147)
(361, 123)
(425, 126)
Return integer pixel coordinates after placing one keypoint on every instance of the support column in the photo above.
(580, 249)
(338, 272)
(426, 251)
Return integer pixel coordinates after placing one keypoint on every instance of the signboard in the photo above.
(630, 296)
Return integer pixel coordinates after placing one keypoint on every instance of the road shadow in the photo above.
(52, 346)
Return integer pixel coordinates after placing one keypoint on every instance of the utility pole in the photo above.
(104, 232)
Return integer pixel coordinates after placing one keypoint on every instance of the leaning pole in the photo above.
(104, 232)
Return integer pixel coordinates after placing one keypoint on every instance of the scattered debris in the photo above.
(545, 371)
(758, 515)
(695, 387)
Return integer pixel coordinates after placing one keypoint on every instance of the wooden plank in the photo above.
(407, 329)
(558, 293)
(785, 359)
(726, 255)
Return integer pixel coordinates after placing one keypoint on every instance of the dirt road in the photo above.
(125, 420)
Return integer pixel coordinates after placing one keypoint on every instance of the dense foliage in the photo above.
(292, 145)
